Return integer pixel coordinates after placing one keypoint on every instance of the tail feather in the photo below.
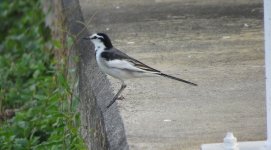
(178, 79)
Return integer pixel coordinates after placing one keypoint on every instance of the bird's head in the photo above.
(100, 40)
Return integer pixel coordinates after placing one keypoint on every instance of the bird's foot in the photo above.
(121, 98)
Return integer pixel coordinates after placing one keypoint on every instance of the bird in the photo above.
(119, 65)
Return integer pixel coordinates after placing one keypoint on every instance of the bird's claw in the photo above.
(121, 98)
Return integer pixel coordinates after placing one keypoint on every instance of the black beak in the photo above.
(86, 38)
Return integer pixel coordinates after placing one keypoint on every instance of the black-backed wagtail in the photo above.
(121, 66)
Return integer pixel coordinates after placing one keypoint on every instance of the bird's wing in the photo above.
(142, 66)
(118, 59)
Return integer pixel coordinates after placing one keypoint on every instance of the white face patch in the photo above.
(97, 42)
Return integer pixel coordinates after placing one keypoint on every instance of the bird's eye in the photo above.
(94, 37)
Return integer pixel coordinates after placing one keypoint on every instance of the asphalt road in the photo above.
(214, 43)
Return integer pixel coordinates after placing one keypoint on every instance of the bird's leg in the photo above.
(123, 86)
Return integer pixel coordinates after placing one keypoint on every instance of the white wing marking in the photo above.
(123, 64)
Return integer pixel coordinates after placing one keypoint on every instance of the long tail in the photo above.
(178, 79)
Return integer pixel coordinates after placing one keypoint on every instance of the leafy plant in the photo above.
(31, 85)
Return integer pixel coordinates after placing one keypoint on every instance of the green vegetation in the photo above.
(31, 85)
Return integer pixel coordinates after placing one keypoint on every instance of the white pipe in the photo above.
(230, 142)
(267, 33)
